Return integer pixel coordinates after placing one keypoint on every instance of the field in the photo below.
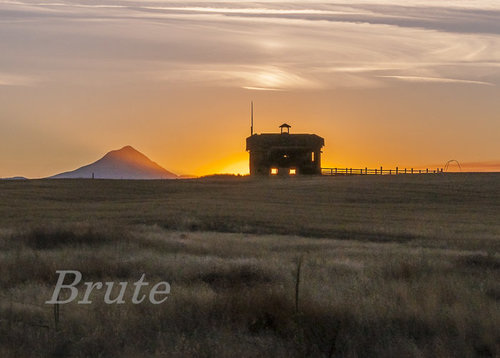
(369, 266)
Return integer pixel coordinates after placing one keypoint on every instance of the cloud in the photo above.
(269, 45)
(478, 166)
(261, 88)
(486, 166)
(7, 79)
(450, 16)
(436, 80)
(263, 78)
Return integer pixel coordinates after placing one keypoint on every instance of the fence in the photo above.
(379, 171)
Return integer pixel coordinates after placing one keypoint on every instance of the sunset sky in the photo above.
(385, 82)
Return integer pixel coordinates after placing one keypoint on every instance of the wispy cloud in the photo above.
(486, 166)
(436, 80)
(7, 79)
(478, 166)
(263, 78)
(261, 88)
(255, 10)
(266, 45)
(454, 16)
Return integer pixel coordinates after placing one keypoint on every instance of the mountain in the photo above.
(125, 163)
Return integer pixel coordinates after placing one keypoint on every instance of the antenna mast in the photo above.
(251, 123)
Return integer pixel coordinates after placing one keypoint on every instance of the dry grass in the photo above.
(422, 283)
(437, 208)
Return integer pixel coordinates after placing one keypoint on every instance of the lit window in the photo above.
(312, 156)
(274, 171)
(293, 171)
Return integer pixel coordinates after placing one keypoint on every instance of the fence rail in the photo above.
(378, 171)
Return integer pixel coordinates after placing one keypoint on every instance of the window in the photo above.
(312, 156)
(293, 171)
(274, 171)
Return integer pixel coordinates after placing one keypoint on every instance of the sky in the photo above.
(385, 82)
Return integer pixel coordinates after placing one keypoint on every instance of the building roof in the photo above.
(285, 125)
(269, 141)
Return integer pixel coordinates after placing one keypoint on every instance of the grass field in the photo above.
(390, 266)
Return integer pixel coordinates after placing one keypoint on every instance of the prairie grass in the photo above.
(356, 298)
(391, 267)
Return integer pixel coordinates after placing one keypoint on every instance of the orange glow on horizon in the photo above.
(234, 164)
(239, 167)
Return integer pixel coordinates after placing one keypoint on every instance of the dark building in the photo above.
(284, 153)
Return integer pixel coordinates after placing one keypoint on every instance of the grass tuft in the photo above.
(47, 238)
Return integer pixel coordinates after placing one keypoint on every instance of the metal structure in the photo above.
(447, 165)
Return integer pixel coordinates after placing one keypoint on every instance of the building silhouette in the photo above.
(284, 153)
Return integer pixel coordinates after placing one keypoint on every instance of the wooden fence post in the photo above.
(56, 314)
(297, 283)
